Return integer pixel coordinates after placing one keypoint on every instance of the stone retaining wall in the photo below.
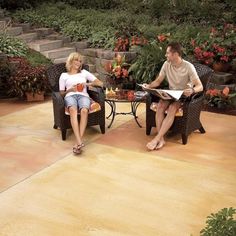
(97, 58)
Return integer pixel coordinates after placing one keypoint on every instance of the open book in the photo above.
(164, 94)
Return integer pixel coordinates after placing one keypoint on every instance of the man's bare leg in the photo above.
(160, 115)
(165, 126)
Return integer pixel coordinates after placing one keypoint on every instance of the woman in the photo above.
(73, 87)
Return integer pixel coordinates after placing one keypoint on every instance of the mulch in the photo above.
(225, 111)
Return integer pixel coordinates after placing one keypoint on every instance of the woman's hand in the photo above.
(145, 85)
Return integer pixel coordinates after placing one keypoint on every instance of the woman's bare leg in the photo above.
(75, 124)
(83, 121)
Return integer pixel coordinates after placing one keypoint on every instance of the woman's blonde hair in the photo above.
(73, 56)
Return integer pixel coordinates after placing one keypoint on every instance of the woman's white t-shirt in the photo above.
(67, 81)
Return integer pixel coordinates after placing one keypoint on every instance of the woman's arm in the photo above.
(64, 92)
(96, 82)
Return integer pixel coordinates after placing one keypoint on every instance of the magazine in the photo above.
(163, 93)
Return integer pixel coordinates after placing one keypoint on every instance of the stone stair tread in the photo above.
(59, 60)
(44, 41)
(27, 37)
(14, 31)
(60, 49)
(41, 45)
(58, 53)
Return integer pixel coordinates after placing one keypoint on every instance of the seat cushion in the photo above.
(153, 107)
(94, 107)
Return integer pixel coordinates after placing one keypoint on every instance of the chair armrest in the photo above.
(58, 99)
(97, 94)
(193, 104)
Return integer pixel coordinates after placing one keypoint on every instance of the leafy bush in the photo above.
(12, 46)
(220, 223)
(76, 31)
(6, 71)
(102, 38)
(96, 4)
(35, 58)
(27, 78)
(149, 62)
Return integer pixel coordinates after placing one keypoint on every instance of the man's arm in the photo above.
(156, 82)
(197, 87)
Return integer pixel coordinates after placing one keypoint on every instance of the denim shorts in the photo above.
(77, 100)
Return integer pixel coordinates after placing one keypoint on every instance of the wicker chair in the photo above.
(61, 120)
(190, 121)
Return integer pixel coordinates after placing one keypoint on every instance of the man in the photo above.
(181, 75)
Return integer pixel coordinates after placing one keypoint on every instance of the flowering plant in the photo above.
(217, 46)
(118, 68)
(219, 98)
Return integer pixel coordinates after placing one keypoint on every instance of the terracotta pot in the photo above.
(221, 67)
(34, 97)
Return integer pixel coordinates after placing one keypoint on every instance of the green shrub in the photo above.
(76, 31)
(220, 223)
(6, 71)
(95, 4)
(35, 58)
(12, 46)
(149, 62)
(102, 38)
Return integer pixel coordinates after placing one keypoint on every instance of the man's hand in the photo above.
(188, 92)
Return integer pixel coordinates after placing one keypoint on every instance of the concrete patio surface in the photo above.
(116, 187)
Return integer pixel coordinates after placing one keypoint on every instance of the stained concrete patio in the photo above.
(116, 187)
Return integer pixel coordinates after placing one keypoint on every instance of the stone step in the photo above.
(81, 45)
(45, 45)
(88, 59)
(28, 37)
(2, 25)
(57, 36)
(26, 27)
(59, 60)
(43, 32)
(58, 53)
(14, 31)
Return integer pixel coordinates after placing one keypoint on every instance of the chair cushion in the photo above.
(153, 107)
(94, 107)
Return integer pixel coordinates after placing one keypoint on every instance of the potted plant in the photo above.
(117, 73)
(28, 80)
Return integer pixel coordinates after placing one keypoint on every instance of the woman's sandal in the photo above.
(77, 150)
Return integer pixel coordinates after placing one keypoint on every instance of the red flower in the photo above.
(161, 37)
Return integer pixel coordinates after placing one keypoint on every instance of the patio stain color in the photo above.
(115, 187)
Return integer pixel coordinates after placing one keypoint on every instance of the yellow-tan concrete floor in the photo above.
(116, 187)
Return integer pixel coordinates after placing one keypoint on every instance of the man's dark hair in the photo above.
(175, 47)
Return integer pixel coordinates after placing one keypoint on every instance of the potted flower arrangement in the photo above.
(217, 48)
(118, 74)
(28, 81)
(222, 99)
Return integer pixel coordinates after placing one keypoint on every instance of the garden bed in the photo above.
(226, 111)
